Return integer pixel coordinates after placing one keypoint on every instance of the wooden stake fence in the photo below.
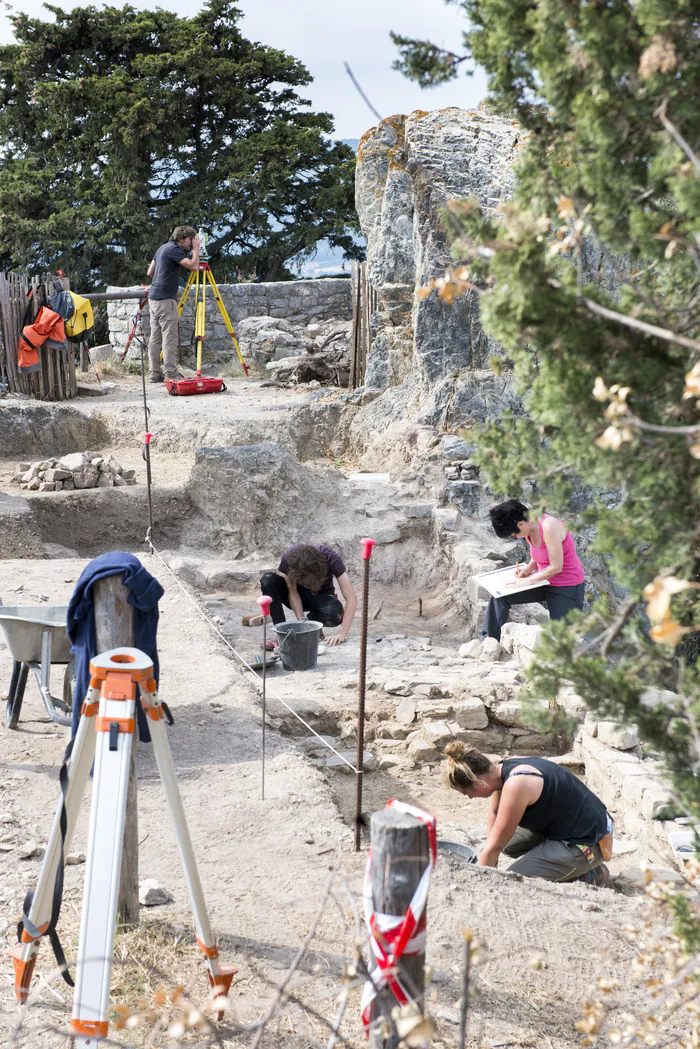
(364, 304)
(56, 380)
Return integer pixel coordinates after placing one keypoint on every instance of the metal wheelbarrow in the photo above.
(36, 637)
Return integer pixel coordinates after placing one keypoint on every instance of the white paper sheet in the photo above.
(497, 582)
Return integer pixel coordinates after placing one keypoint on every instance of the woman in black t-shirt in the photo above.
(540, 813)
(304, 582)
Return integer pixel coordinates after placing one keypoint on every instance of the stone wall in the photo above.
(408, 168)
(294, 304)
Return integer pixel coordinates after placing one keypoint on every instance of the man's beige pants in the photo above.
(164, 336)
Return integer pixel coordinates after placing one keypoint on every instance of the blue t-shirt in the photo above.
(166, 276)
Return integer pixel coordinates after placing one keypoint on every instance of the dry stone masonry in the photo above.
(75, 471)
(273, 321)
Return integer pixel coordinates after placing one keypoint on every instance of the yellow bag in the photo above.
(79, 326)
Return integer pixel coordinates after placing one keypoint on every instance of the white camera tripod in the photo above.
(105, 735)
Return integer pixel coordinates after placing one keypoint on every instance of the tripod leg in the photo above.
(200, 318)
(185, 293)
(220, 976)
(39, 915)
(114, 729)
(226, 319)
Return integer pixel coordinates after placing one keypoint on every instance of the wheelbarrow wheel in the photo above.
(69, 686)
(15, 696)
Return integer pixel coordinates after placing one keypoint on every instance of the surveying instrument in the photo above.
(199, 279)
(105, 737)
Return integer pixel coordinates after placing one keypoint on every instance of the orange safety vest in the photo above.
(48, 325)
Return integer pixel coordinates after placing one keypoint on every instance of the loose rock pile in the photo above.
(74, 471)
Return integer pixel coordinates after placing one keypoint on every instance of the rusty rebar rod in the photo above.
(367, 545)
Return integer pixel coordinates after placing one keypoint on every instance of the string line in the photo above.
(208, 619)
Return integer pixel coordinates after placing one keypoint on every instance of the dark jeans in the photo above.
(560, 601)
(323, 606)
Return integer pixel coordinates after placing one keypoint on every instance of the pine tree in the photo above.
(608, 363)
(118, 124)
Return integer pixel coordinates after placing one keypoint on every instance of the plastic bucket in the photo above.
(298, 643)
(465, 852)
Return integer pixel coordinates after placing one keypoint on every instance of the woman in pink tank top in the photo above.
(553, 559)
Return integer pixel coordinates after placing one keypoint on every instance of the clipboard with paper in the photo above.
(496, 582)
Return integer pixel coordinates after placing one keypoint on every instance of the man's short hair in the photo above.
(181, 232)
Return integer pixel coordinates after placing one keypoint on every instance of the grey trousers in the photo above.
(560, 600)
(538, 857)
(164, 336)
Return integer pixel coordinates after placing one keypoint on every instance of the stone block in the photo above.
(152, 894)
(455, 448)
(86, 478)
(422, 750)
(652, 698)
(34, 484)
(31, 473)
(590, 725)
(397, 687)
(105, 480)
(437, 732)
(389, 761)
(119, 480)
(509, 713)
(446, 519)
(426, 708)
(491, 650)
(406, 711)
(58, 485)
(634, 783)
(451, 473)
(430, 691)
(71, 463)
(395, 731)
(654, 800)
(471, 714)
(57, 475)
(617, 736)
(47, 486)
(471, 649)
(69, 485)
(466, 495)
(128, 474)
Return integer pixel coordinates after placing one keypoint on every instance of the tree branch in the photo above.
(676, 136)
(613, 631)
(671, 431)
(632, 322)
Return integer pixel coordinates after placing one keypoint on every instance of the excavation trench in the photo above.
(236, 481)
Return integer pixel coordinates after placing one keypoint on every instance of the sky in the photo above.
(324, 34)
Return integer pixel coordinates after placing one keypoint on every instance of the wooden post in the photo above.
(114, 628)
(400, 854)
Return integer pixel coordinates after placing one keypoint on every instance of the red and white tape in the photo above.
(391, 935)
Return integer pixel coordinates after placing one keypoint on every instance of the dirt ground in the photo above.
(264, 865)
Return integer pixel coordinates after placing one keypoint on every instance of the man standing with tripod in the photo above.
(181, 250)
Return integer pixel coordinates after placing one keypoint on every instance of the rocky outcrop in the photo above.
(408, 168)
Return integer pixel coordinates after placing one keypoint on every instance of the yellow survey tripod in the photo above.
(198, 279)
